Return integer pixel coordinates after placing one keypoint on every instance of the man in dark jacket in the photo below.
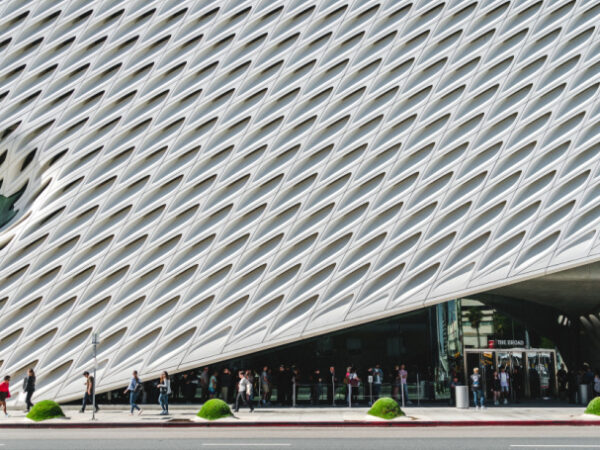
(29, 387)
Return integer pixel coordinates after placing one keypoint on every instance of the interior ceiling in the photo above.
(573, 291)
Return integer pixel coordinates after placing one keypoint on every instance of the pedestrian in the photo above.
(354, 383)
(135, 388)
(164, 390)
(332, 383)
(243, 386)
(265, 385)
(90, 386)
(281, 381)
(377, 380)
(562, 377)
(396, 383)
(317, 387)
(29, 388)
(251, 377)
(597, 384)
(404, 383)
(476, 388)
(204, 378)
(504, 384)
(225, 382)
(455, 382)
(4, 393)
(496, 389)
(212, 385)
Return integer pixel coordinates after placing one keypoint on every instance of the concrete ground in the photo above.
(185, 415)
(452, 438)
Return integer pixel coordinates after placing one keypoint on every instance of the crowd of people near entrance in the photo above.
(280, 385)
(506, 385)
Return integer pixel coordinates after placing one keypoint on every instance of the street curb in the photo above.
(324, 424)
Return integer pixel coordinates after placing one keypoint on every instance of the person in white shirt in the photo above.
(504, 384)
(164, 390)
(244, 392)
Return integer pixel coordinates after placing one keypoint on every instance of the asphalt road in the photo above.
(480, 438)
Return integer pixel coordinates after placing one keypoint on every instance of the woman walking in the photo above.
(4, 393)
(164, 389)
(29, 388)
(135, 388)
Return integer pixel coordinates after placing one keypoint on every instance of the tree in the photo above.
(474, 315)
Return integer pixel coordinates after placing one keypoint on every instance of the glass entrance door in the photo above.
(532, 372)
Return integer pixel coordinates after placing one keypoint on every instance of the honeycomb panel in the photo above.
(203, 179)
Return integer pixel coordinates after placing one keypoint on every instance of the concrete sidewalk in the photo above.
(185, 416)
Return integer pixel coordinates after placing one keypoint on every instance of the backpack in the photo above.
(354, 382)
(139, 387)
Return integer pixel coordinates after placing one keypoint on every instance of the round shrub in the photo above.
(44, 410)
(386, 408)
(593, 407)
(214, 409)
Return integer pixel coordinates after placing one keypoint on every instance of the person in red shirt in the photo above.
(4, 393)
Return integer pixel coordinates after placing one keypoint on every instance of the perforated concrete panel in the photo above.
(206, 179)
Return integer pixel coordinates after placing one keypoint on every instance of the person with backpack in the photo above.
(4, 393)
(164, 390)
(29, 388)
(135, 388)
(89, 391)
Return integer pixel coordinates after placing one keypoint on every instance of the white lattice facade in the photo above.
(204, 179)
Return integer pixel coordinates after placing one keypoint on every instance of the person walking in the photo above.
(225, 383)
(135, 388)
(377, 380)
(243, 386)
(29, 388)
(504, 384)
(212, 385)
(4, 393)
(404, 383)
(164, 390)
(204, 378)
(316, 387)
(596, 384)
(562, 377)
(496, 389)
(90, 386)
(476, 388)
(265, 385)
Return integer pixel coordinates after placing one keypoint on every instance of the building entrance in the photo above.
(531, 372)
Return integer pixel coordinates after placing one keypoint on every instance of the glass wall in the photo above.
(430, 343)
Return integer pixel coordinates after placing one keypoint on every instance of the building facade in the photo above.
(199, 180)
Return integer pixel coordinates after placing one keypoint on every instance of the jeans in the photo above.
(28, 400)
(376, 390)
(405, 391)
(245, 400)
(163, 399)
(478, 394)
(132, 400)
(87, 399)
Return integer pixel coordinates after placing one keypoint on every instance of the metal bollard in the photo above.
(333, 391)
(349, 395)
(294, 393)
(418, 391)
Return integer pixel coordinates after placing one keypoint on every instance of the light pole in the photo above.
(94, 344)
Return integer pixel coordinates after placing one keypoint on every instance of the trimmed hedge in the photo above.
(214, 409)
(44, 410)
(386, 408)
(593, 407)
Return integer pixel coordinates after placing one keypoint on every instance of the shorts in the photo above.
(504, 388)
(3, 396)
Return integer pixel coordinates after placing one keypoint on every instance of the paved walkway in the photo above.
(185, 415)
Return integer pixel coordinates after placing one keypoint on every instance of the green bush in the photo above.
(386, 408)
(44, 410)
(593, 407)
(214, 409)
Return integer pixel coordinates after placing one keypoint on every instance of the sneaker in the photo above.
(81, 411)
(483, 407)
(476, 407)
(505, 402)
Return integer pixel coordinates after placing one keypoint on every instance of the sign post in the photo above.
(94, 344)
